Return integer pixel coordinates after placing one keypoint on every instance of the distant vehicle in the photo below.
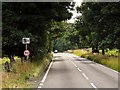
(55, 51)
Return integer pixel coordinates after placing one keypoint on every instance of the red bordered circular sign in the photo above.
(26, 52)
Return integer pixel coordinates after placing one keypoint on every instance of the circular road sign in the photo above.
(26, 52)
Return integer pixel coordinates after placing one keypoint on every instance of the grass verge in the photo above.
(25, 74)
(107, 60)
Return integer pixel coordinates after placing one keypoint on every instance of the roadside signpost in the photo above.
(26, 52)
(26, 41)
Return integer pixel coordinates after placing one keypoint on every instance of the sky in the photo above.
(77, 3)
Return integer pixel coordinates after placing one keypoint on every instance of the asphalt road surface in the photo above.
(70, 71)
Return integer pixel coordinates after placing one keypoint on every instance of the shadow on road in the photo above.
(85, 61)
(89, 62)
(57, 56)
(76, 59)
(58, 60)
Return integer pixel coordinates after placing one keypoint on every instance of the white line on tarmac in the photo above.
(93, 85)
(79, 70)
(39, 86)
(108, 68)
(75, 65)
(46, 72)
(103, 66)
(72, 62)
(85, 76)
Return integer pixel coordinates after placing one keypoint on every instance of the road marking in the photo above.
(102, 65)
(93, 85)
(85, 76)
(79, 70)
(39, 86)
(46, 72)
(75, 65)
(107, 68)
(72, 63)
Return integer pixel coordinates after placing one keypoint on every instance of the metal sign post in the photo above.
(26, 46)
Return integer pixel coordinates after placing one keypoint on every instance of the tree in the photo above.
(102, 22)
(31, 20)
(69, 39)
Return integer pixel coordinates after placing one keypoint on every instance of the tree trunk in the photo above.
(96, 48)
(93, 49)
(103, 52)
(7, 66)
(11, 57)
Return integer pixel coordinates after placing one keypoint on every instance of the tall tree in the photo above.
(30, 19)
(102, 22)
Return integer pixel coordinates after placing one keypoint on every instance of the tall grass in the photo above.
(108, 60)
(24, 75)
(78, 52)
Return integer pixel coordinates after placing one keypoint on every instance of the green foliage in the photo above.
(99, 24)
(24, 75)
(43, 22)
(113, 52)
(40, 21)
(69, 39)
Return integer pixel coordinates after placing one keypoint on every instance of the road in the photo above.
(70, 71)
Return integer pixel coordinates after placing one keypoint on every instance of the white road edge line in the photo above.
(93, 85)
(108, 68)
(103, 66)
(46, 72)
(79, 70)
(85, 76)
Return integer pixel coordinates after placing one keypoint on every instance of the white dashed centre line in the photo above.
(75, 65)
(79, 70)
(85, 76)
(41, 84)
(72, 63)
(93, 85)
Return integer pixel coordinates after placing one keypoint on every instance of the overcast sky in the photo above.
(78, 3)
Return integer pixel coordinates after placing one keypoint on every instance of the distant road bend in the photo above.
(70, 71)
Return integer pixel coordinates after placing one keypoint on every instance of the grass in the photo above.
(109, 60)
(24, 75)
(78, 52)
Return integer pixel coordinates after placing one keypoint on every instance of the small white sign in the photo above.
(26, 40)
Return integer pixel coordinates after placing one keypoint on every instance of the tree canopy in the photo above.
(39, 21)
(99, 25)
